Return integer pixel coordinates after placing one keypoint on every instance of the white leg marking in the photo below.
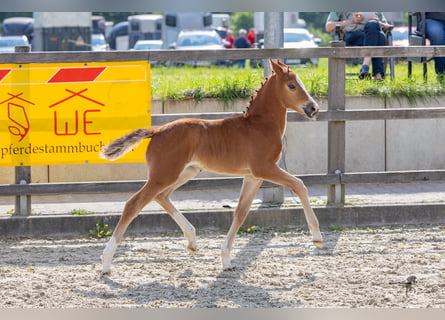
(107, 255)
(187, 228)
(225, 256)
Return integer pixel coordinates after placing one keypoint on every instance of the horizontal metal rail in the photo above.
(130, 186)
(218, 183)
(338, 115)
(392, 176)
(231, 54)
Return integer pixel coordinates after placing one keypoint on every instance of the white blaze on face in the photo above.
(300, 83)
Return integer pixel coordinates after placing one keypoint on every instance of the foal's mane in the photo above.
(254, 95)
(257, 91)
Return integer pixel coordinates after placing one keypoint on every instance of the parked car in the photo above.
(17, 26)
(98, 42)
(8, 43)
(148, 45)
(400, 37)
(292, 38)
(199, 40)
(299, 38)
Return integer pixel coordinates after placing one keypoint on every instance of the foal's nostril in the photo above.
(311, 109)
(316, 109)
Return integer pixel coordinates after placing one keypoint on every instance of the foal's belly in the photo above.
(223, 168)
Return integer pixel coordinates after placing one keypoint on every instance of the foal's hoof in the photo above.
(230, 269)
(318, 243)
(192, 250)
(106, 273)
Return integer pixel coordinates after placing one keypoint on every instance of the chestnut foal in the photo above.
(247, 145)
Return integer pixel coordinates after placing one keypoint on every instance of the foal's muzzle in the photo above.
(311, 109)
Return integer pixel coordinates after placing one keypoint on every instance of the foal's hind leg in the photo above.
(248, 192)
(164, 200)
(132, 208)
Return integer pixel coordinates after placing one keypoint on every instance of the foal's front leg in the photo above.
(248, 192)
(277, 175)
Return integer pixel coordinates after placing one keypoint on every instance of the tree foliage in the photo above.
(316, 20)
(241, 20)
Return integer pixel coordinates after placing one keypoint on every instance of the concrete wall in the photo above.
(378, 145)
(416, 144)
(365, 142)
(370, 146)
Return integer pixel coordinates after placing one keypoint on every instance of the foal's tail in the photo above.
(122, 145)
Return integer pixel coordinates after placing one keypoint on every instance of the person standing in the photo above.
(435, 31)
(229, 39)
(241, 42)
(251, 36)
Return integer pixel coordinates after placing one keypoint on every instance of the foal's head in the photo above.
(292, 93)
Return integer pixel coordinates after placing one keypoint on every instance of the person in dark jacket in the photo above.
(435, 31)
(241, 42)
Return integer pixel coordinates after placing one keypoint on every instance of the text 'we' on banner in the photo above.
(64, 113)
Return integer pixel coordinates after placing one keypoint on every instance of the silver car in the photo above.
(148, 45)
(299, 38)
(98, 42)
(8, 43)
(199, 40)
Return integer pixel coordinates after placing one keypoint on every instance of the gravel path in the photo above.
(356, 268)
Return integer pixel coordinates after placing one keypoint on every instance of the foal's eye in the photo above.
(291, 86)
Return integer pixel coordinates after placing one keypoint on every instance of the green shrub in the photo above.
(100, 231)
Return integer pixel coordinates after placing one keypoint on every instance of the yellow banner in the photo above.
(64, 113)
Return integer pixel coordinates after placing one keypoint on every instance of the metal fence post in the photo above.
(273, 38)
(22, 173)
(273, 35)
(336, 129)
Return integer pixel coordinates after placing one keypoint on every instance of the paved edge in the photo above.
(357, 216)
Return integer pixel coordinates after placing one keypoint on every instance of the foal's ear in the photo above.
(276, 66)
(284, 66)
(281, 63)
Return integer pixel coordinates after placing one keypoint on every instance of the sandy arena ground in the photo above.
(356, 268)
